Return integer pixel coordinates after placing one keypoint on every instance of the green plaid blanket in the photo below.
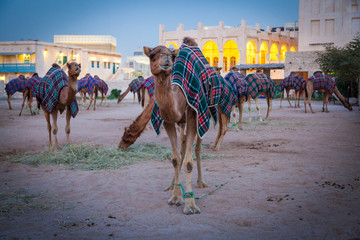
(259, 82)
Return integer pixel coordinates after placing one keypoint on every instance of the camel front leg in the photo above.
(191, 132)
(258, 108)
(90, 99)
(30, 99)
(67, 127)
(9, 101)
(309, 102)
(269, 103)
(241, 103)
(297, 97)
(233, 114)
(281, 96)
(176, 197)
(24, 98)
(287, 96)
(215, 146)
(198, 149)
(223, 120)
(54, 128)
(47, 117)
(249, 107)
(326, 101)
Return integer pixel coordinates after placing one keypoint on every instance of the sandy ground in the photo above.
(296, 177)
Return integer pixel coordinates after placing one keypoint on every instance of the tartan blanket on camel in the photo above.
(48, 90)
(135, 85)
(83, 82)
(202, 87)
(295, 81)
(238, 84)
(15, 85)
(32, 84)
(259, 82)
(102, 85)
(150, 85)
(92, 82)
(322, 81)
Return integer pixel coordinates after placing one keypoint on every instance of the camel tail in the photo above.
(134, 131)
(342, 99)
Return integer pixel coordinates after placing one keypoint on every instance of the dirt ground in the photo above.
(295, 177)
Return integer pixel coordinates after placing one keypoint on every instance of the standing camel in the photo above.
(103, 88)
(83, 87)
(30, 91)
(260, 83)
(93, 88)
(133, 87)
(13, 86)
(293, 81)
(325, 84)
(56, 91)
(184, 97)
(147, 91)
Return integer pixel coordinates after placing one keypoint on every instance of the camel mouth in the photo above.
(165, 67)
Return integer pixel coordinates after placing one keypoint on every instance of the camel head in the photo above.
(161, 59)
(347, 105)
(217, 69)
(74, 69)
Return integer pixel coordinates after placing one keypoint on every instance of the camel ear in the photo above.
(220, 68)
(79, 65)
(68, 65)
(147, 51)
(175, 52)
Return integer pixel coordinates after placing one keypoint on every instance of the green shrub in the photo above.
(115, 93)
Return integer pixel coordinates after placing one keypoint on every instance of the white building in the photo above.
(28, 57)
(139, 62)
(322, 22)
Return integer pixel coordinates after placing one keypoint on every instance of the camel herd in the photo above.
(182, 95)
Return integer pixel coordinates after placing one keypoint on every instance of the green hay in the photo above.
(90, 157)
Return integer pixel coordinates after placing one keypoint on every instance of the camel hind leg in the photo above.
(67, 127)
(25, 96)
(241, 103)
(9, 100)
(269, 103)
(325, 101)
(47, 118)
(198, 149)
(249, 107)
(258, 108)
(54, 129)
(288, 97)
(223, 121)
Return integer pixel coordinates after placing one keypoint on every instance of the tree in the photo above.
(343, 63)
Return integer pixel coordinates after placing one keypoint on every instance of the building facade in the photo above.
(226, 46)
(139, 63)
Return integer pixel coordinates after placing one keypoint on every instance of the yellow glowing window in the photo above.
(274, 52)
(172, 45)
(251, 52)
(210, 50)
(283, 52)
(263, 52)
(232, 61)
(292, 49)
(231, 53)
(225, 63)
(216, 61)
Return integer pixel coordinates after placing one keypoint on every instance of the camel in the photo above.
(103, 88)
(56, 91)
(147, 91)
(94, 87)
(83, 87)
(325, 84)
(134, 87)
(13, 86)
(295, 82)
(30, 91)
(184, 96)
(260, 83)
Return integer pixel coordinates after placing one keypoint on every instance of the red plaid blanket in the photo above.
(202, 87)
(15, 85)
(102, 85)
(135, 85)
(322, 81)
(259, 82)
(295, 81)
(32, 84)
(48, 90)
(150, 85)
(237, 83)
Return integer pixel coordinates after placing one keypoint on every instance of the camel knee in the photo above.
(189, 167)
(175, 162)
(54, 130)
(67, 130)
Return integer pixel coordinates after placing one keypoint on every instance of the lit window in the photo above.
(92, 64)
(98, 64)
(108, 65)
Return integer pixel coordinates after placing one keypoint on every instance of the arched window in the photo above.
(232, 61)
(292, 49)
(251, 52)
(216, 61)
(225, 64)
(263, 52)
(208, 59)
(231, 53)
(210, 51)
(172, 45)
(283, 52)
(274, 52)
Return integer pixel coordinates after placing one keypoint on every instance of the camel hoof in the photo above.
(175, 200)
(190, 208)
(201, 184)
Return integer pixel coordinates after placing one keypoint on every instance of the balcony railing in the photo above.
(17, 67)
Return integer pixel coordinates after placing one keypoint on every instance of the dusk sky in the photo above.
(133, 23)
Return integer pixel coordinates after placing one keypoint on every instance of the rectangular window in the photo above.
(92, 64)
(330, 6)
(329, 27)
(315, 27)
(104, 64)
(355, 25)
(315, 6)
(98, 64)
(108, 65)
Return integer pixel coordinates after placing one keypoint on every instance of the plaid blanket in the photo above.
(295, 81)
(150, 85)
(32, 84)
(202, 87)
(259, 82)
(237, 83)
(15, 85)
(322, 81)
(102, 85)
(135, 85)
(48, 90)
(83, 82)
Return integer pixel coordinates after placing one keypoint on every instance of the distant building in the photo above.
(226, 46)
(27, 57)
(139, 62)
(322, 22)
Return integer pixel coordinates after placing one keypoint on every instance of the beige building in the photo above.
(103, 43)
(227, 46)
(322, 22)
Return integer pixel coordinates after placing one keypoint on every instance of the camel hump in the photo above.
(55, 65)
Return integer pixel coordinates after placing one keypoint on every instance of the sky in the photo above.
(134, 23)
